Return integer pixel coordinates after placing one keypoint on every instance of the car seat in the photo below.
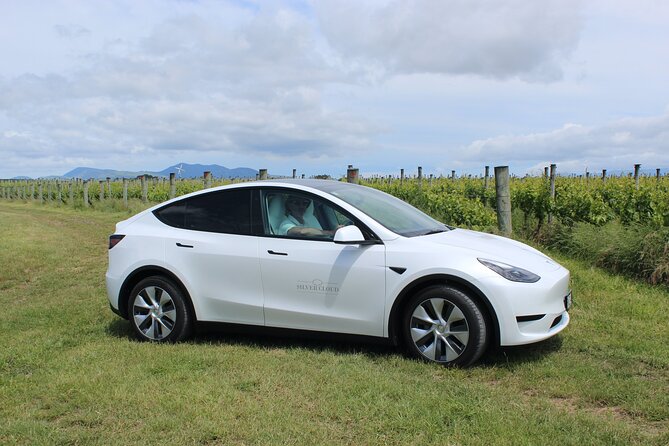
(276, 211)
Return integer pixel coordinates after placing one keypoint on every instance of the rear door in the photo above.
(216, 254)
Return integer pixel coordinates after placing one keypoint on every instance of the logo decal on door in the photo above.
(317, 286)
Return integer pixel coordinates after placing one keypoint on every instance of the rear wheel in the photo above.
(444, 325)
(158, 311)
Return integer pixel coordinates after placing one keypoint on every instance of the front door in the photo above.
(311, 283)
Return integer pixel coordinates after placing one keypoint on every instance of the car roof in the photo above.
(326, 186)
(322, 185)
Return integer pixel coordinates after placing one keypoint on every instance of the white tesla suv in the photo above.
(333, 257)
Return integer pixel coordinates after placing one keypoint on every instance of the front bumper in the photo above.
(530, 312)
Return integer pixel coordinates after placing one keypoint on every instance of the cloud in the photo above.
(502, 39)
(615, 145)
(71, 31)
(382, 83)
(189, 85)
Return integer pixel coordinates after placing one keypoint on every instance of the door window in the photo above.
(226, 211)
(297, 215)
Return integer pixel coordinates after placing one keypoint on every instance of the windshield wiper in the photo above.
(435, 231)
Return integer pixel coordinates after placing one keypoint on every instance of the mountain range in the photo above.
(182, 170)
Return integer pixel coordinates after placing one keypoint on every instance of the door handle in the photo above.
(184, 246)
(275, 253)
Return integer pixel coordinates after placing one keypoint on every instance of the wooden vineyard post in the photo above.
(636, 175)
(145, 189)
(352, 175)
(503, 200)
(603, 174)
(207, 179)
(420, 177)
(401, 177)
(40, 193)
(657, 174)
(294, 173)
(125, 192)
(262, 174)
(485, 179)
(173, 186)
(552, 186)
(85, 193)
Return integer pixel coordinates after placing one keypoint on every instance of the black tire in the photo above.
(455, 334)
(158, 311)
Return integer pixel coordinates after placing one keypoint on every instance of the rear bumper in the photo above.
(113, 291)
(115, 310)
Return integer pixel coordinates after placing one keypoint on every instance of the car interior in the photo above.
(325, 215)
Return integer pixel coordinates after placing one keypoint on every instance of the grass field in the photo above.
(71, 373)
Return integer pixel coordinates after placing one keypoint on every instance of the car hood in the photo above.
(494, 247)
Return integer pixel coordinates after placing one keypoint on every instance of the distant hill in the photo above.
(197, 170)
(186, 171)
(91, 172)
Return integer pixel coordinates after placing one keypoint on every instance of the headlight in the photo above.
(509, 272)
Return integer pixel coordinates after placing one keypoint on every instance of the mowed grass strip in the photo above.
(71, 372)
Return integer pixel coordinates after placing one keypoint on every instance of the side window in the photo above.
(226, 211)
(292, 214)
(342, 219)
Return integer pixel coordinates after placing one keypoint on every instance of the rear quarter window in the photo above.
(173, 214)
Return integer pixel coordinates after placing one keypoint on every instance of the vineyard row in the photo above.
(462, 201)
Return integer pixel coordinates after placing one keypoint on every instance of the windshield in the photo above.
(391, 212)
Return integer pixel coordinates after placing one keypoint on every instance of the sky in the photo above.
(318, 85)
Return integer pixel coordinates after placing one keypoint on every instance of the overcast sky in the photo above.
(317, 85)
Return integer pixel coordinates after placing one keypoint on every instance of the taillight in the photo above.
(114, 239)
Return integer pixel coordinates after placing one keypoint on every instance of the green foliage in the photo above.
(640, 251)
(459, 203)
(595, 201)
(462, 201)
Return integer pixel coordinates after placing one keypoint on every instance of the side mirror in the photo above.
(351, 235)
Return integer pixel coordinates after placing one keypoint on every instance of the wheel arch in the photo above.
(142, 273)
(395, 318)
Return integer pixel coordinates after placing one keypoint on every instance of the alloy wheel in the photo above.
(439, 330)
(154, 313)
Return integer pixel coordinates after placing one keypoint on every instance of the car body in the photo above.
(329, 256)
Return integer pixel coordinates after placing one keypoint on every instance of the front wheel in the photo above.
(444, 325)
(159, 311)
